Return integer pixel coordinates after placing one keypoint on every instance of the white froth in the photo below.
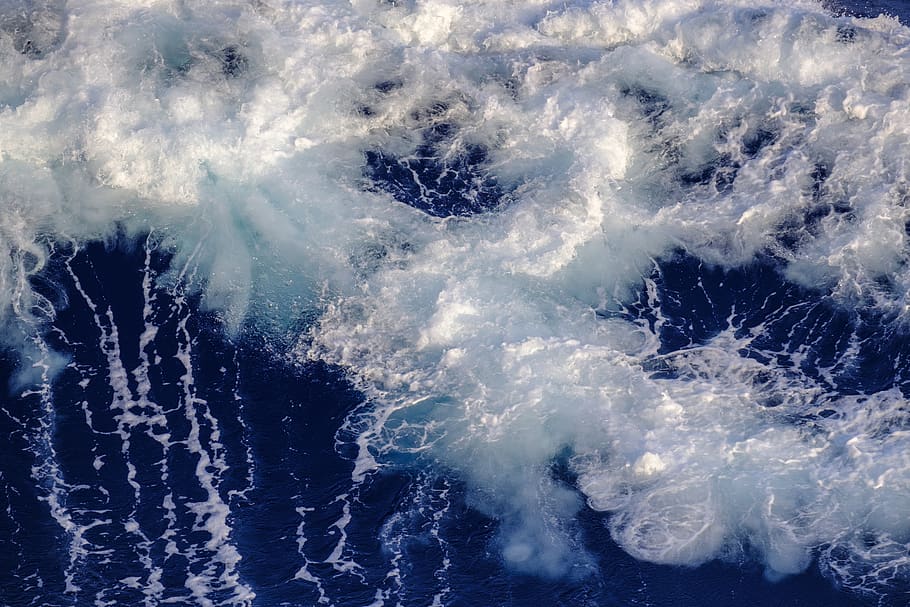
(486, 340)
(617, 131)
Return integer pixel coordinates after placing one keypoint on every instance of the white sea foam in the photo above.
(614, 133)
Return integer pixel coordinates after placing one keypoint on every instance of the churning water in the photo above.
(425, 302)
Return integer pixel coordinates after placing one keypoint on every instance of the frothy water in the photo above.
(647, 258)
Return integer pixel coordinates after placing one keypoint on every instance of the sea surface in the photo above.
(385, 303)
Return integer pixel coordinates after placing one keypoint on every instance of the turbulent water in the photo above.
(426, 302)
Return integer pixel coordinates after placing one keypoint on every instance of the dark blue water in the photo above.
(288, 463)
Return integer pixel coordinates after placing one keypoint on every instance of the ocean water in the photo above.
(425, 302)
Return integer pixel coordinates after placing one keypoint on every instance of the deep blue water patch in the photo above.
(29, 537)
(233, 62)
(849, 351)
(442, 177)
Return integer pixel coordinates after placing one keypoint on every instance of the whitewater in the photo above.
(647, 258)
